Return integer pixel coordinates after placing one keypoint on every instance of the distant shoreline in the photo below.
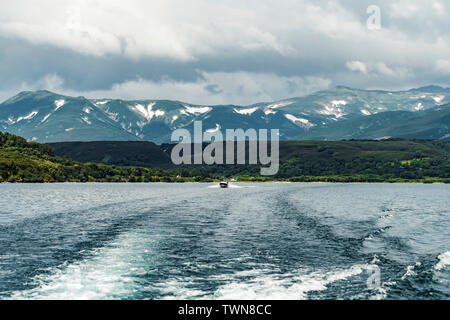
(239, 182)
(400, 161)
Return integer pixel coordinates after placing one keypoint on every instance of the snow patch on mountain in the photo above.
(87, 110)
(269, 111)
(46, 117)
(27, 117)
(247, 112)
(196, 110)
(144, 112)
(304, 123)
(279, 105)
(59, 103)
(438, 99)
(419, 106)
(147, 113)
(101, 102)
(113, 116)
(338, 103)
(333, 110)
(366, 112)
(86, 119)
(141, 124)
(159, 113)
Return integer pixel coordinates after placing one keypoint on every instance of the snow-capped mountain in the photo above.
(44, 116)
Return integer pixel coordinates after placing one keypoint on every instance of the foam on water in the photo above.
(256, 284)
(410, 272)
(283, 286)
(106, 273)
(444, 260)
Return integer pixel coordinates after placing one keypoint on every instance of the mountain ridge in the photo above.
(429, 88)
(45, 116)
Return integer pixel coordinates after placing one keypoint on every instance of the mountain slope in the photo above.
(428, 124)
(45, 116)
(48, 117)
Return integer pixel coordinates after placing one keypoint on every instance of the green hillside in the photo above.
(387, 160)
(331, 161)
(22, 161)
(131, 153)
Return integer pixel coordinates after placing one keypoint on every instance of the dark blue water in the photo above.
(253, 241)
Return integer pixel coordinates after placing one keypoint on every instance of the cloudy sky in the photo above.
(221, 52)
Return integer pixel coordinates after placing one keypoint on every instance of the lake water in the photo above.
(252, 241)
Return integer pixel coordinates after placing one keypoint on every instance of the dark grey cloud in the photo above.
(220, 52)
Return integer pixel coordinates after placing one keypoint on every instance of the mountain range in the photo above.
(333, 114)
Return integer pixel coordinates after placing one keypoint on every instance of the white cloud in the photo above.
(187, 31)
(240, 88)
(169, 29)
(325, 39)
(377, 69)
(357, 66)
(86, 40)
(404, 9)
(50, 81)
(383, 69)
(443, 66)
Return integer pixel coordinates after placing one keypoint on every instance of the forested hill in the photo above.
(22, 161)
(339, 161)
(369, 160)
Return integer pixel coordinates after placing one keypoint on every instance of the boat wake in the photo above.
(230, 186)
(106, 273)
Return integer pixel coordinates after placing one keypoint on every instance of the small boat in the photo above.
(223, 184)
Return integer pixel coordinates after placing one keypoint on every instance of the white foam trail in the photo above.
(444, 260)
(256, 284)
(108, 273)
(283, 287)
(178, 290)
